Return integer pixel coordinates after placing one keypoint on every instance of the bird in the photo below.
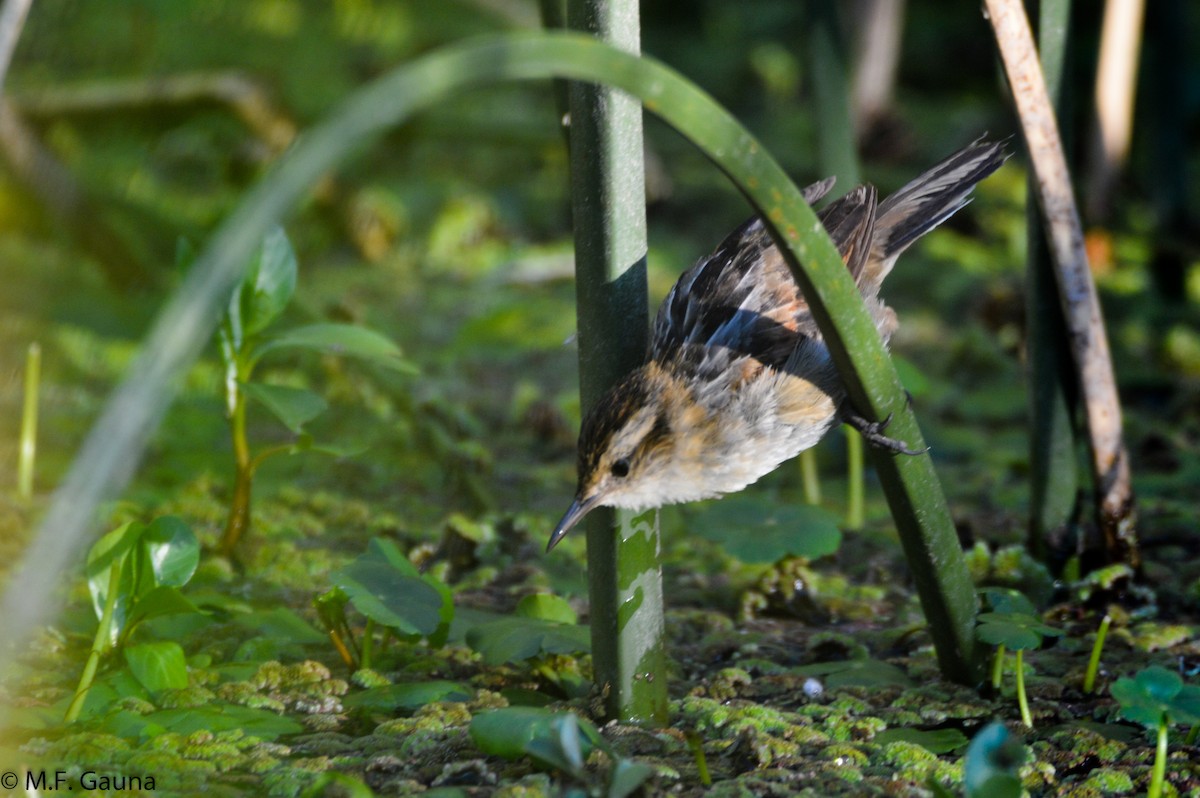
(738, 378)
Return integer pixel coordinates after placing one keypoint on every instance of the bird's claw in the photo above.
(872, 432)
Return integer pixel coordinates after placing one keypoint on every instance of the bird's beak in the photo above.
(578, 509)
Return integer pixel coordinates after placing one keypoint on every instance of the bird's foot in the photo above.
(872, 432)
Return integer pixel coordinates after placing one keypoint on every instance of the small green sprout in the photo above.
(1157, 698)
(1089, 678)
(395, 598)
(29, 422)
(246, 334)
(134, 574)
(1014, 624)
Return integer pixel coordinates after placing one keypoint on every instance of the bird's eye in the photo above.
(620, 468)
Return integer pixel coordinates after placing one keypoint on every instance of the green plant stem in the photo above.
(1089, 678)
(100, 644)
(810, 477)
(855, 489)
(697, 746)
(1192, 734)
(1022, 699)
(238, 521)
(998, 667)
(1159, 773)
(609, 215)
(368, 645)
(29, 422)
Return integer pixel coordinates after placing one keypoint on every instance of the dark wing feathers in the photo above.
(742, 300)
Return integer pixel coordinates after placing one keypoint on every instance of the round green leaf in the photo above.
(158, 666)
(1161, 684)
(757, 531)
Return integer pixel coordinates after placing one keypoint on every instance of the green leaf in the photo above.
(348, 340)
(171, 550)
(757, 531)
(158, 666)
(386, 551)
(225, 717)
(1007, 600)
(159, 602)
(267, 287)
(404, 603)
(1014, 630)
(547, 607)
(1156, 691)
(627, 777)
(115, 545)
(936, 741)
(295, 407)
(992, 764)
(1161, 684)
(506, 732)
(408, 697)
(518, 639)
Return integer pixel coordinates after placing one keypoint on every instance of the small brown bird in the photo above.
(738, 378)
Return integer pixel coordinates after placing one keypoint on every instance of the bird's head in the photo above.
(625, 446)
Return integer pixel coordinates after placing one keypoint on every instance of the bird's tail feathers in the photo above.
(931, 199)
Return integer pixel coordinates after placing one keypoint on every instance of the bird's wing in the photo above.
(743, 301)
